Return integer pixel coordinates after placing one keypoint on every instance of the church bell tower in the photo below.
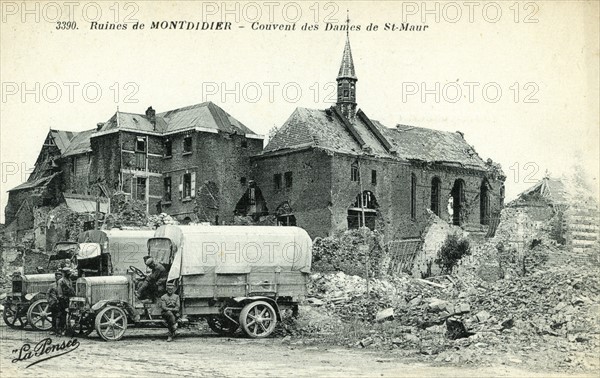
(346, 80)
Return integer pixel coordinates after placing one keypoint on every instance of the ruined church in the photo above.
(325, 170)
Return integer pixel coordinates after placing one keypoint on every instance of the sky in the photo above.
(519, 79)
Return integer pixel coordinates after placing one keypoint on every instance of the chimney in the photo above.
(151, 115)
(99, 126)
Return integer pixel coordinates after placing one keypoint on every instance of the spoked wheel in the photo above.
(39, 315)
(13, 318)
(222, 325)
(111, 323)
(77, 328)
(258, 319)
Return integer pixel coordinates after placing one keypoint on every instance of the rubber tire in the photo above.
(22, 320)
(98, 321)
(244, 319)
(30, 319)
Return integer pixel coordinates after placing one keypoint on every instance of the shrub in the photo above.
(453, 249)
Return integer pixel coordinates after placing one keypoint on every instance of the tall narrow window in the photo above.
(373, 177)
(167, 189)
(168, 148)
(288, 179)
(436, 188)
(456, 204)
(484, 203)
(277, 181)
(141, 188)
(73, 164)
(413, 196)
(354, 174)
(140, 153)
(187, 145)
(187, 185)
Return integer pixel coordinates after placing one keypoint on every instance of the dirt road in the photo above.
(144, 352)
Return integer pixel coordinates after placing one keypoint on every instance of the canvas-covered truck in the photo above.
(233, 276)
(96, 253)
(107, 253)
(28, 293)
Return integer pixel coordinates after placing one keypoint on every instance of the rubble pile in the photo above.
(126, 211)
(558, 302)
(440, 315)
(345, 253)
(155, 221)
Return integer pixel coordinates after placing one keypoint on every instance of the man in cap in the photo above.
(169, 304)
(52, 294)
(154, 283)
(65, 292)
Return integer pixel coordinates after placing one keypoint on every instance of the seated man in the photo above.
(169, 304)
(154, 283)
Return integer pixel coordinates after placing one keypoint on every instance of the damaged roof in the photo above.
(419, 143)
(327, 130)
(35, 183)
(80, 143)
(62, 138)
(206, 115)
(552, 189)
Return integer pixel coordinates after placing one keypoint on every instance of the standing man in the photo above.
(169, 304)
(53, 294)
(154, 283)
(65, 292)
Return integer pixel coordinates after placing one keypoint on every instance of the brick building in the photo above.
(325, 170)
(333, 169)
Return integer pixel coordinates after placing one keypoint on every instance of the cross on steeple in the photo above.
(346, 79)
(347, 23)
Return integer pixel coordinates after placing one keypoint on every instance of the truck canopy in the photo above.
(232, 249)
(64, 250)
(128, 248)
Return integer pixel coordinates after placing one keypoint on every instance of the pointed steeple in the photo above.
(347, 66)
(346, 79)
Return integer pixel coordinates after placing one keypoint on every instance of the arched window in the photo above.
(484, 203)
(413, 196)
(436, 189)
(457, 200)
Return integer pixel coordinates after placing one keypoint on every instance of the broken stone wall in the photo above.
(222, 168)
(434, 236)
(106, 160)
(393, 193)
(76, 173)
(309, 197)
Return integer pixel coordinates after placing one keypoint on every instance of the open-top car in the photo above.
(230, 275)
(26, 303)
(96, 253)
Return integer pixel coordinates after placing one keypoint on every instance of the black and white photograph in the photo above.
(300, 188)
